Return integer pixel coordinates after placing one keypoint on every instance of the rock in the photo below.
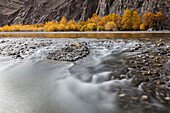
(70, 53)
(150, 29)
(122, 95)
(126, 106)
(2, 41)
(160, 83)
(134, 98)
(122, 76)
(144, 97)
(113, 77)
(167, 98)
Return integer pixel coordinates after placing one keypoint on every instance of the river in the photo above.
(36, 84)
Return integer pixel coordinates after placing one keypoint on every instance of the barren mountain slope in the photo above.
(9, 10)
(35, 11)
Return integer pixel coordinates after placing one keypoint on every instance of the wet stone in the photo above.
(144, 97)
(72, 52)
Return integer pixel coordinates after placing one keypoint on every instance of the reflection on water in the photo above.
(88, 35)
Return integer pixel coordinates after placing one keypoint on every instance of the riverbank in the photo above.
(105, 34)
(135, 71)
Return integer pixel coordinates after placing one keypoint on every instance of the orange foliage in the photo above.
(95, 19)
(100, 28)
(63, 21)
(142, 27)
(91, 27)
(112, 22)
(148, 20)
(110, 26)
(130, 20)
(72, 25)
(159, 17)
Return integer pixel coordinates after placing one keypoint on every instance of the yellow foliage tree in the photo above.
(83, 28)
(103, 21)
(159, 17)
(130, 20)
(1, 29)
(95, 19)
(136, 21)
(148, 20)
(63, 21)
(127, 20)
(91, 27)
(142, 27)
(62, 27)
(6, 28)
(110, 26)
(72, 25)
(100, 28)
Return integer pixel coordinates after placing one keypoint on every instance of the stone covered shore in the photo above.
(147, 67)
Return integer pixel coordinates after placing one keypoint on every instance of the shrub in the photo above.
(6, 28)
(83, 28)
(91, 27)
(1, 29)
(82, 23)
(63, 21)
(99, 28)
(142, 27)
(15, 28)
(40, 25)
(110, 26)
(51, 28)
(62, 27)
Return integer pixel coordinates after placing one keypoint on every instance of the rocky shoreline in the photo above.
(147, 67)
(72, 52)
(149, 71)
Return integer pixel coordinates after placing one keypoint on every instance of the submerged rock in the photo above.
(70, 53)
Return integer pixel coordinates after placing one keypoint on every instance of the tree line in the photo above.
(130, 21)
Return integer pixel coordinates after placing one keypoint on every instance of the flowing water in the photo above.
(39, 85)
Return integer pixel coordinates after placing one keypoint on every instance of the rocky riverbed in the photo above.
(138, 68)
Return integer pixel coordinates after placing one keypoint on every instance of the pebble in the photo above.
(122, 76)
(113, 77)
(167, 98)
(134, 98)
(122, 95)
(144, 97)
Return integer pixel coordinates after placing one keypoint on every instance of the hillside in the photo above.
(35, 11)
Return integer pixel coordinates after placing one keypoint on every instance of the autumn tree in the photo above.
(63, 21)
(95, 19)
(91, 27)
(62, 27)
(148, 20)
(72, 25)
(130, 20)
(159, 17)
(83, 28)
(116, 19)
(127, 20)
(142, 27)
(82, 23)
(103, 21)
(136, 21)
(110, 26)
(100, 28)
